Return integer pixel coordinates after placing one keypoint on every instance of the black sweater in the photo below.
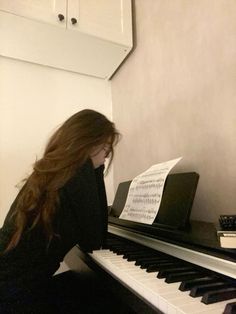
(81, 218)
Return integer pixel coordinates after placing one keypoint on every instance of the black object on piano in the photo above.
(176, 203)
(228, 222)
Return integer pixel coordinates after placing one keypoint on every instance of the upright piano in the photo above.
(173, 266)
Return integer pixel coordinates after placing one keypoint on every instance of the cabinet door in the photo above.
(107, 19)
(42, 10)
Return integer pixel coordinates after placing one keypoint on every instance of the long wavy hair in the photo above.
(67, 150)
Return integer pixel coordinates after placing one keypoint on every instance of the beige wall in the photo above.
(34, 100)
(176, 96)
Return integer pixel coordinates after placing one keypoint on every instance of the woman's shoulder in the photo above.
(87, 170)
(82, 172)
(84, 176)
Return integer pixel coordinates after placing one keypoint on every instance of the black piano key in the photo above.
(199, 290)
(189, 284)
(165, 272)
(116, 243)
(184, 275)
(133, 256)
(163, 267)
(138, 252)
(141, 260)
(130, 248)
(219, 295)
(160, 261)
(113, 241)
(113, 247)
(159, 266)
(122, 250)
(230, 308)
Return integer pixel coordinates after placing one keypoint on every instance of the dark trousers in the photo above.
(66, 293)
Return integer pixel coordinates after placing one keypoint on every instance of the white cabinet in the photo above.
(40, 10)
(87, 36)
(107, 19)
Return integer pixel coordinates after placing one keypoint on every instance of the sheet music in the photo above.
(145, 193)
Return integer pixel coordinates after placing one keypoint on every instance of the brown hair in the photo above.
(67, 150)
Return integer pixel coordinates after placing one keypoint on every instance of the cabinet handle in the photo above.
(73, 20)
(61, 17)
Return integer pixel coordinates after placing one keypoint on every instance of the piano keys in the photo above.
(187, 288)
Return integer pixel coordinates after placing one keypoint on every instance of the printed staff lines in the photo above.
(146, 201)
(148, 186)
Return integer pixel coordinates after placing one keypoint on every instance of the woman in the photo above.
(62, 203)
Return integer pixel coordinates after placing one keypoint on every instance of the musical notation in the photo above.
(145, 193)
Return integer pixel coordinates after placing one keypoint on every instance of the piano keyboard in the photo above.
(169, 284)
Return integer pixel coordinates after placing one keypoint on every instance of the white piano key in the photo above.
(214, 311)
(166, 299)
(123, 266)
(150, 280)
(204, 308)
(136, 274)
(142, 275)
(163, 289)
(160, 286)
(156, 282)
(179, 301)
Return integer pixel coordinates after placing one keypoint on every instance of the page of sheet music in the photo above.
(145, 193)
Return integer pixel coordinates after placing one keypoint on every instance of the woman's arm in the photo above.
(87, 199)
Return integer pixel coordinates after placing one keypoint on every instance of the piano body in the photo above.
(173, 266)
